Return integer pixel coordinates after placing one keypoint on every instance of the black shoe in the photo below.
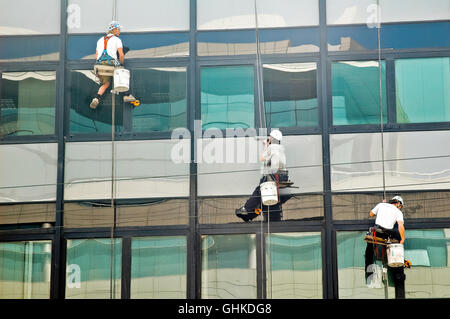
(243, 214)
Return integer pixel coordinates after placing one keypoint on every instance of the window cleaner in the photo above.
(108, 47)
(274, 159)
(388, 233)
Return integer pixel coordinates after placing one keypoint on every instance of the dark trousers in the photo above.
(396, 273)
(275, 212)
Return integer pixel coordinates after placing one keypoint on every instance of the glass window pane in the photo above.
(153, 45)
(428, 251)
(20, 17)
(88, 268)
(423, 90)
(228, 266)
(417, 10)
(28, 101)
(28, 172)
(27, 214)
(290, 94)
(294, 265)
(356, 92)
(153, 15)
(158, 268)
(163, 96)
(25, 270)
(235, 14)
(29, 49)
(89, 16)
(227, 97)
(83, 87)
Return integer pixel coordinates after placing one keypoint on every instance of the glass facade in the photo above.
(140, 202)
(25, 270)
(158, 268)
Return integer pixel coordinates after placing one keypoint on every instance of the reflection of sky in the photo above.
(29, 46)
(397, 36)
(80, 46)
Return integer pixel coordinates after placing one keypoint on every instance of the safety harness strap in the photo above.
(105, 56)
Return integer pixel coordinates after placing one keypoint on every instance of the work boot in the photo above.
(94, 103)
(243, 214)
(129, 98)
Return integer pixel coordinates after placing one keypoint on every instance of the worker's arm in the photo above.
(401, 230)
(121, 55)
(371, 214)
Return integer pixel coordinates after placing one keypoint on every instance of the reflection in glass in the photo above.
(290, 94)
(272, 41)
(162, 92)
(83, 119)
(25, 270)
(356, 92)
(27, 213)
(227, 97)
(428, 251)
(158, 268)
(228, 266)
(294, 265)
(24, 17)
(423, 90)
(238, 14)
(28, 101)
(147, 45)
(29, 49)
(28, 172)
(88, 268)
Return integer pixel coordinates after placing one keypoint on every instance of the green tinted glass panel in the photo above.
(356, 92)
(429, 276)
(294, 265)
(423, 90)
(158, 268)
(162, 93)
(25, 270)
(227, 97)
(27, 103)
(228, 266)
(290, 94)
(88, 268)
(83, 119)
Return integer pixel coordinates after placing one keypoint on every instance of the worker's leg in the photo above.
(273, 213)
(398, 275)
(105, 80)
(369, 260)
(103, 88)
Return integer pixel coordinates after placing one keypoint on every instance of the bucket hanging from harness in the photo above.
(105, 57)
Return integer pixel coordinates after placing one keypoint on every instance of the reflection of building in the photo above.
(64, 184)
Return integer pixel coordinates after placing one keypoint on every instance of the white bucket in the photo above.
(269, 193)
(121, 80)
(395, 255)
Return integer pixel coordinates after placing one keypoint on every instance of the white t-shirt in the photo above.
(274, 159)
(387, 215)
(113, 44)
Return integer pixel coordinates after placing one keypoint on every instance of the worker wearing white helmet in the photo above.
(110, 51)
(389, 225)
(274, 159)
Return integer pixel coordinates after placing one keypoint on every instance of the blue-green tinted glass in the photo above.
(83, 119)
(158, 268)
(227, 97)
(25, 270)
(427, 249)
(89, 268)
(290, 94)
(228, 266)
(294, 267)
(162, 93)
(27, 103)
(356, 92)
(423, 90)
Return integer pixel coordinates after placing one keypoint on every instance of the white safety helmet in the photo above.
(114, 25)
(276, 134)
(397, 199)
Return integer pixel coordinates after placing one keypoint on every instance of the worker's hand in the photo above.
(402, 241)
